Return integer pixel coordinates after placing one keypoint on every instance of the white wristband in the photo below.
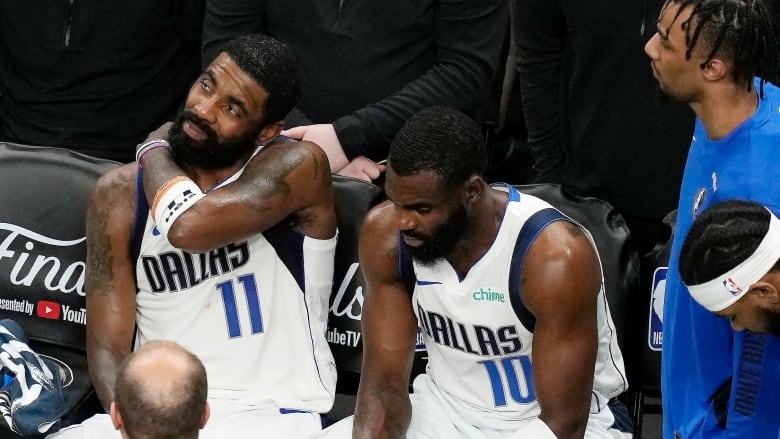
(148, 146)
(172, 199)
(535, 429)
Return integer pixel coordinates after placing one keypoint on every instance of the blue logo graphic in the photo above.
(732, 287)
(655, 335)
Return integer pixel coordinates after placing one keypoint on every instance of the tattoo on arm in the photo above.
(278, 184)
(100, 259)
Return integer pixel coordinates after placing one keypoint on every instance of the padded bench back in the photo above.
(43, 203)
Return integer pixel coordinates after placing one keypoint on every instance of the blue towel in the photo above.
(31, 399)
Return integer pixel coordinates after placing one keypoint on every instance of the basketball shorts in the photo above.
(433, 417)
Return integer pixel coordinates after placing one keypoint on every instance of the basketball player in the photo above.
(713, 54)
(730, 262)
(508, 292)
(160, 392)
(225, 246)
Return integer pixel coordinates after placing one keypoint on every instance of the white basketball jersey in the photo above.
(255, 312)
(478, 333)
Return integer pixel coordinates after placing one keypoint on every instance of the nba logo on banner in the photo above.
(655, 336)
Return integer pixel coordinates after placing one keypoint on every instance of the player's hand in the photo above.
(325, 136)
(160, 133)
(362, 168)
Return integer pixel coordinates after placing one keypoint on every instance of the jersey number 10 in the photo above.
(519, 382)
(252, 302)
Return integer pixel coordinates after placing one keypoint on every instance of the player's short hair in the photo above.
(271, 64)
(740, 31)
(721, 238)
(441, 140)
(151, 412)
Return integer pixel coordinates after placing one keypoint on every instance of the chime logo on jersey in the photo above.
(488, 295)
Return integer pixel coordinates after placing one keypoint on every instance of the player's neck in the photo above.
(724, 111)
(207, 179)
(482, 231)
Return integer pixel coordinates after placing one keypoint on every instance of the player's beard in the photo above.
(440, 243)
(209, 153)
(771, 322)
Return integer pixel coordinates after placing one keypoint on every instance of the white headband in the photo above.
(723, 291)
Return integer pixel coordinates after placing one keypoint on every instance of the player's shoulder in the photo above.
(302, 165)
(115, 192)
(117, 182)
(380, 218)
(295, 152)
(380, 229)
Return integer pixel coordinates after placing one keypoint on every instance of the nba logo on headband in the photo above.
(732, 287)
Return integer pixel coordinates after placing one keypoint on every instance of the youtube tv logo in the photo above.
(48, 310)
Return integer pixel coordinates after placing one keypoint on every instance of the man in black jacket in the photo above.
(596, 121)
(367, 66)
(95, 77)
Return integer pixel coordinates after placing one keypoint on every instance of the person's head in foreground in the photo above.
(161, 391)
(704, 45)
(238, 102)
(729, 262)
(436, 166)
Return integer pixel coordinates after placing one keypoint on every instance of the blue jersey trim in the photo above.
(528, 234)
(141, 215)
(288, 245)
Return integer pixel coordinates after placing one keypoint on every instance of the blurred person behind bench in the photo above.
(95, 77)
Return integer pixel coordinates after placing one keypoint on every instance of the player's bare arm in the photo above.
(110, 279)
(560, 285)
(389, 330)
(285, 181)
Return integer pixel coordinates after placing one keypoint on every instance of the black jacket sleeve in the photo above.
(469, 36)
(540, 31)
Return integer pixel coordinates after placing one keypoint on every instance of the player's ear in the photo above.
(206, 414)
(714, 69)
(765, 289)
(269, 133)
(473, 188)
(116, 418)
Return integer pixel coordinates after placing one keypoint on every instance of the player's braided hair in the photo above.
(738, 30)
(442, 140)
(721, 238)
(272, 65)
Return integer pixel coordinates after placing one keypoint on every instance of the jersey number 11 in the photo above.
(252, 302)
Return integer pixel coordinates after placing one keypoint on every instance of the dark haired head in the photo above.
(272, 64)
(161, 391)
(441, 140)
(739, 31)
(721, 238)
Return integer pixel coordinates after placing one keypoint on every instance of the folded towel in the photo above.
(31, 399)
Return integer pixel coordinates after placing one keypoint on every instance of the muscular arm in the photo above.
(110, 279)
(539, 29)
(284, 179)
(469, 36)
(560, 286)
(389, 330)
